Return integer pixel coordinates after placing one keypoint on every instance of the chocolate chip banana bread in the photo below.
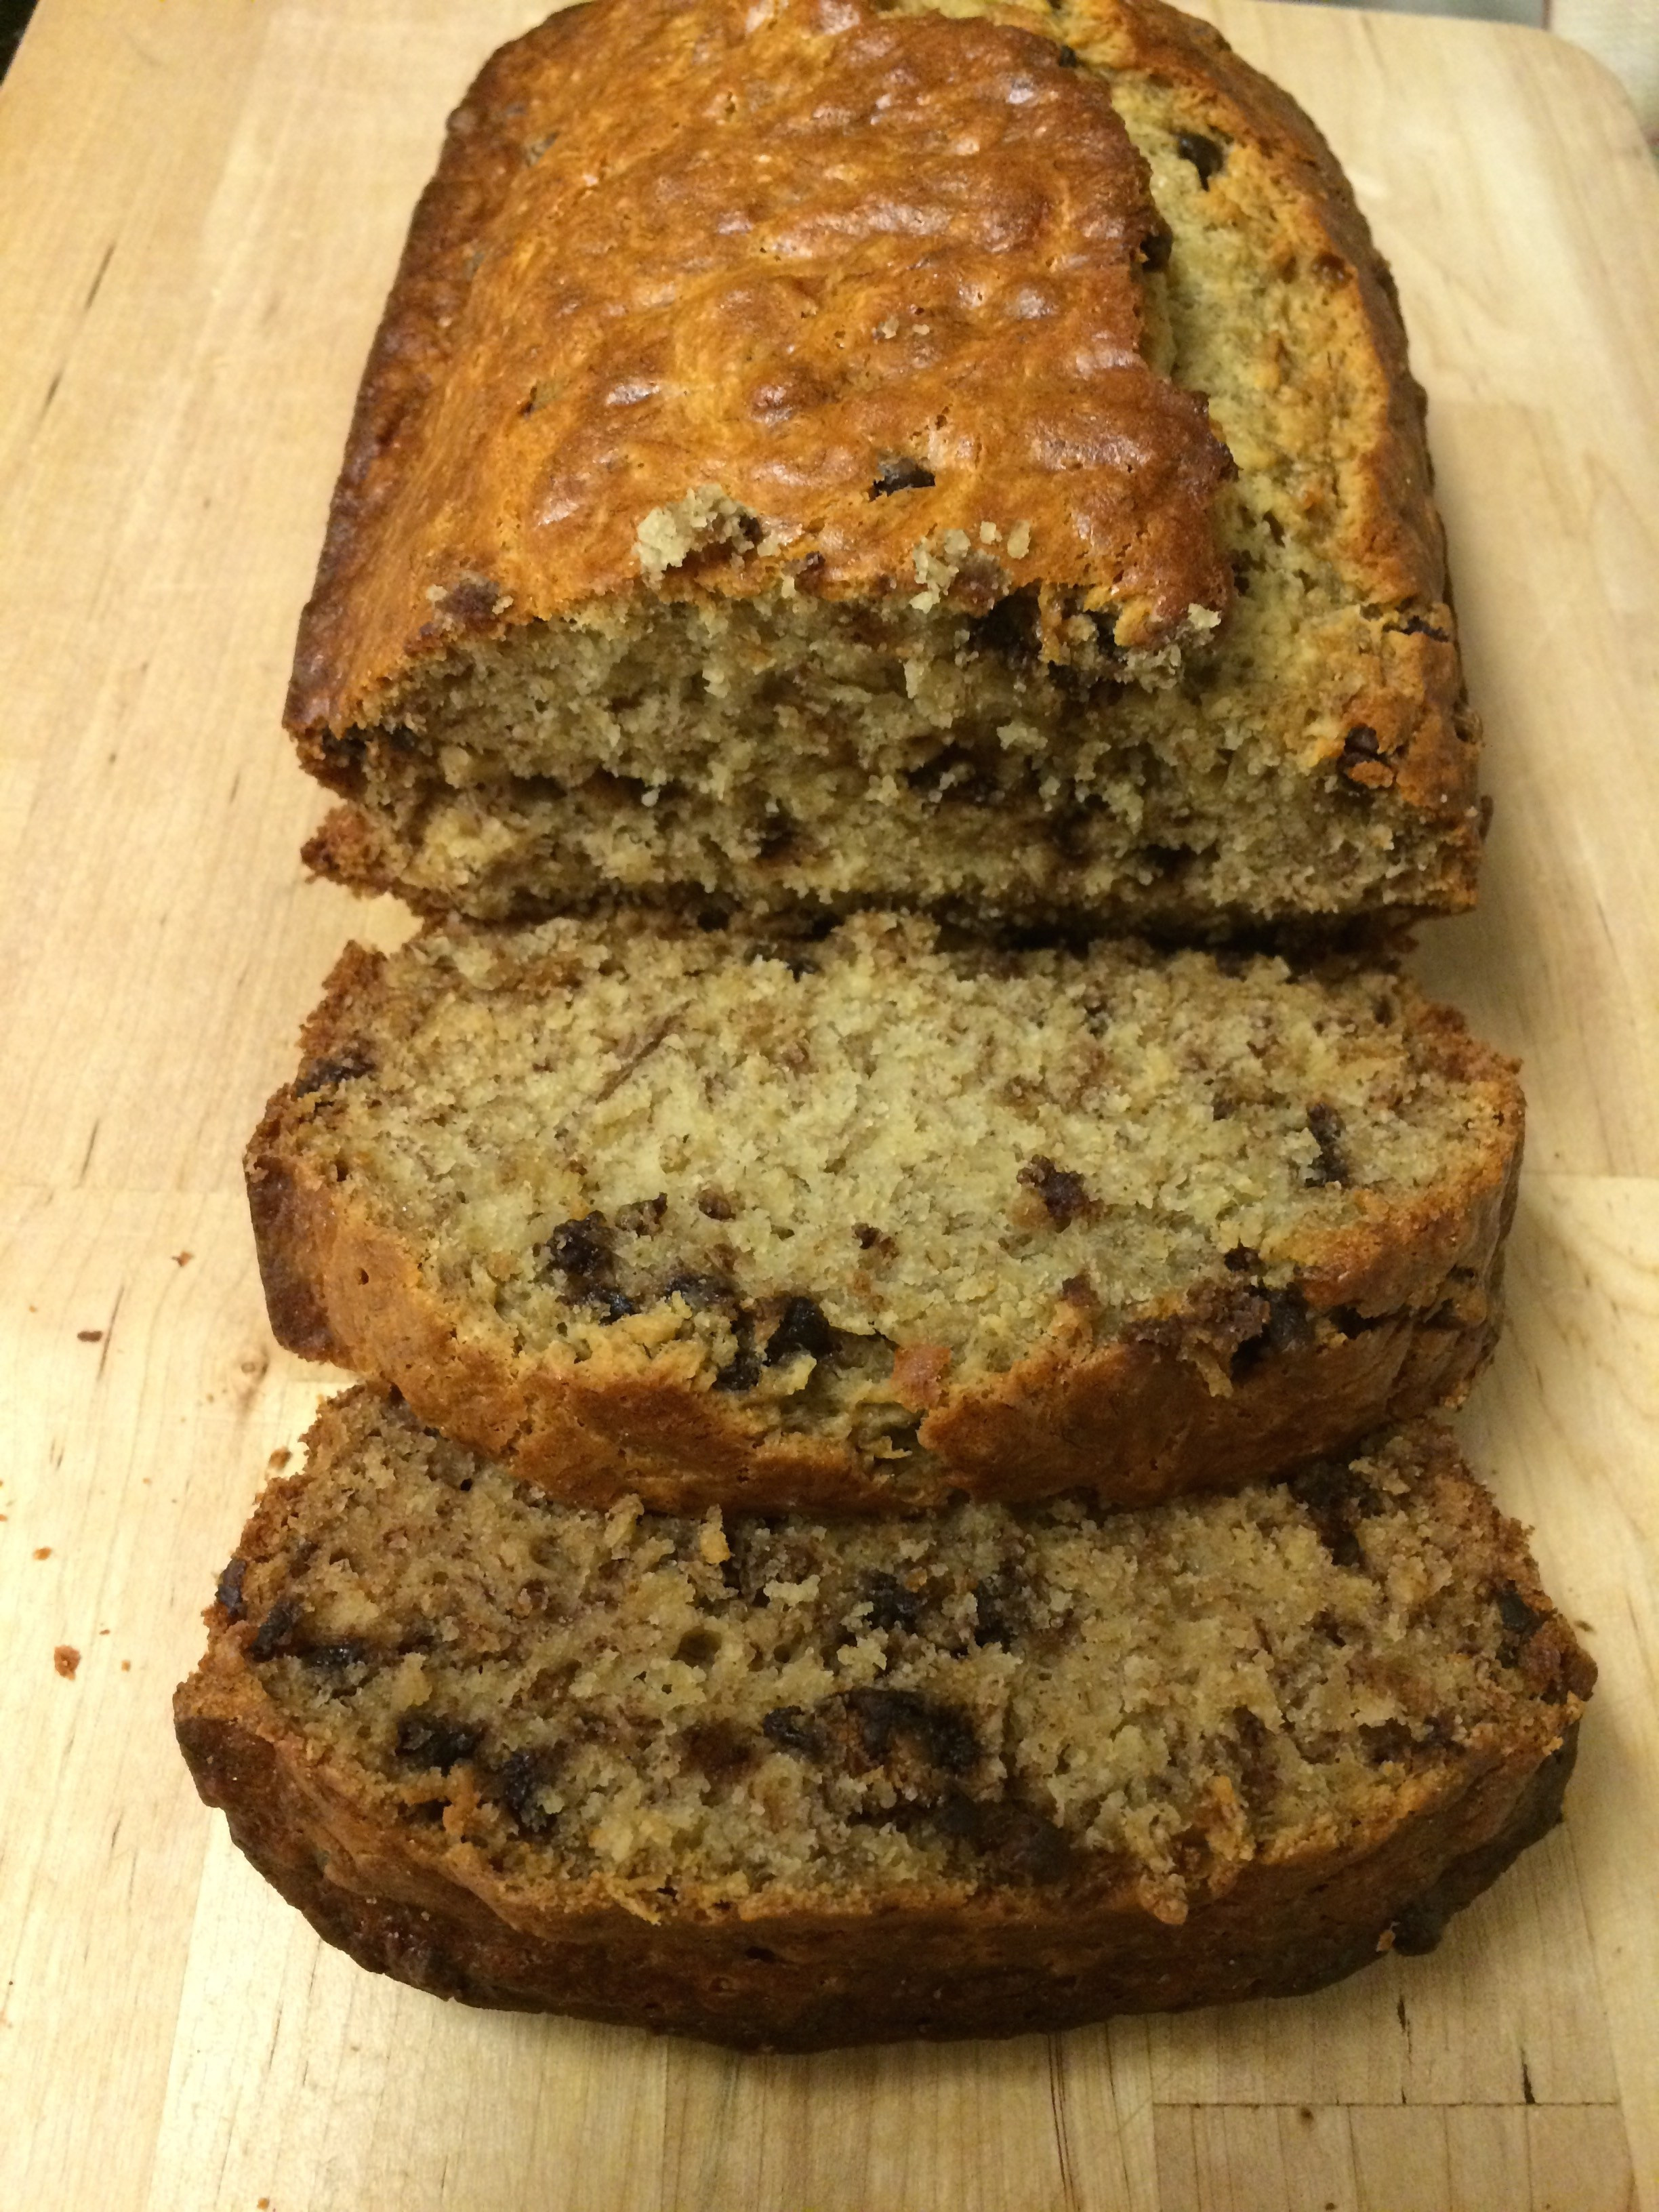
(862, 1220)
(788, 1783)
(820, 458)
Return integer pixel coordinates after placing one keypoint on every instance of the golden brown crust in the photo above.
(1390, 542)
(1392, 537)
(1388, 1318)
(608, 302)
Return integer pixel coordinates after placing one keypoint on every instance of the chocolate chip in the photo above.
(581, 1248)
(228, 1591)
(1333, 1497)
(1207, 155)
(715, 1204)
(1063, 1194)
(324, 1074)
(518, 1783)
(1243, 1260)
(1066, 58)
(274, 1631)
(642, 1217)
(1155, 249)
(609, 1304)
(431, 1741)
(891, 1605)
(1415, 626)
(889, 1719)
(871, 1240)
(899, 473)
(792, 1728)
(802, 1328)
(718, 1750)
(1361, 761)
(739, 1374)
(335, 1658)
(1332, 1165)
(698, 1647)
(1517, 1615)
(997, 1607)
(1012, 627)
(1022, 1846)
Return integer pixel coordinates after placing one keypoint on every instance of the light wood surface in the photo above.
(205, 201)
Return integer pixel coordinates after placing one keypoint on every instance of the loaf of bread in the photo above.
(821, 457)
(862, 1220)
(788, 1783)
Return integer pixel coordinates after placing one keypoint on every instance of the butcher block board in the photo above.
(205, 203)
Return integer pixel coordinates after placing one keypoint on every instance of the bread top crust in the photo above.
(875, 280)
(1388, 541)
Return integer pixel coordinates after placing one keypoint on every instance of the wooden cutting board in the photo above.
(205, 201)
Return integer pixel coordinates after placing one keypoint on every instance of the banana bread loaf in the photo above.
(862, 1220)
(787, 1782)
(782, 474)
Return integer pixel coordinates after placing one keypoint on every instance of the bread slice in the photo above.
(792, 1783)
(866, 1220)
(783, 473)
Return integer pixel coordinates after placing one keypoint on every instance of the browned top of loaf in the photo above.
(795, 251)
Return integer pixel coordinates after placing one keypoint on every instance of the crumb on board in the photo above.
(65, 1658)
(279, 1459)
(90, 1335)
(182, 1259)
(43, 1550)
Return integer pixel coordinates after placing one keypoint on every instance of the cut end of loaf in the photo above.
(1113, 649)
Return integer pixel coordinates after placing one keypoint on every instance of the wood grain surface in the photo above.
(205, 203)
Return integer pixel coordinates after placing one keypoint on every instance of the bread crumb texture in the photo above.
(823, 1184)
(691, 1712)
